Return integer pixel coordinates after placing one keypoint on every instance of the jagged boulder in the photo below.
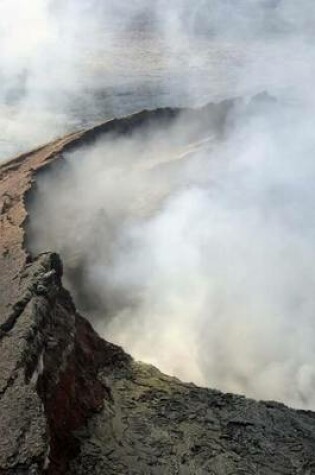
(49, 382)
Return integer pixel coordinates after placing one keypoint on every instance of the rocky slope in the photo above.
(72, 403)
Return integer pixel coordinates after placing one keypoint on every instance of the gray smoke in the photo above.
(195, 251)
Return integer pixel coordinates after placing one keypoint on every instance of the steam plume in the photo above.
(196, 253)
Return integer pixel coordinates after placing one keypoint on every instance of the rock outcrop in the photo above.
(72, 403)
(50, 359)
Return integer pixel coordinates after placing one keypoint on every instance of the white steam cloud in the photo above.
(196, 251)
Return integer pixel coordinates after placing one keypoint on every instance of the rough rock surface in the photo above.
(71, 403)
(48, 374)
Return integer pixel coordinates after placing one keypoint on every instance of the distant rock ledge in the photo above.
(72, 403)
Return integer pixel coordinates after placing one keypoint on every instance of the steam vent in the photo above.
(72, 402)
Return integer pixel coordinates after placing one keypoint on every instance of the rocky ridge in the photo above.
(72, 403)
